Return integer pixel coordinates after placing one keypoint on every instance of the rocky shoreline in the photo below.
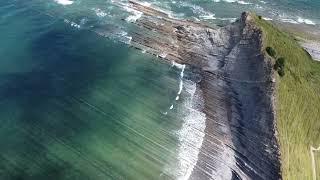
(237, 85)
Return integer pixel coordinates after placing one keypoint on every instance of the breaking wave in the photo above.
(306, 21)
(190, 135)
(64, 2)
(136, 14)
(299, 20)
(182, 67)
(234, 1)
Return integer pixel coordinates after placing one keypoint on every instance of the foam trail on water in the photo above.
(190, 135)
(306, 21)
(234, 1)
(208, 16)
(182, 67)
(64, 2)
(73, 24)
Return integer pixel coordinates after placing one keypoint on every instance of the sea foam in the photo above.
(182, 67)
(136, 14)
(267, 19)
(286, 20)
(190, 135)
(295, 20)
(72, 24)
(234, 1)
(306, 21)
(207, 16)
(64, 2)
(99, 12)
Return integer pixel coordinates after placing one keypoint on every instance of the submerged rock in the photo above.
(237, 88)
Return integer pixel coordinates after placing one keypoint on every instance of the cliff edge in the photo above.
(237, 85)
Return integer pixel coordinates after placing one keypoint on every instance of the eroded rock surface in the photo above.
(237, 86)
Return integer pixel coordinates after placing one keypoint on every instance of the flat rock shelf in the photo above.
(237, 84)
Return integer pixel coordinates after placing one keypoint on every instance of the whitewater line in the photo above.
(182, 67)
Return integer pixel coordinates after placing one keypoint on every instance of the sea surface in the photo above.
(78, 103)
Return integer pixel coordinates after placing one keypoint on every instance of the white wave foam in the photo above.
(146, 4)
(234, 1)
(258, 6)
(64, 2)
(286, 20)
(72, 24)
(295, 20)
(127, 39)
(306, 21)
(136, 14)
(190, 135)
(123, 36)
(99, 12)
(195, 8)
(228, 19)
(163, 55)
(224, 170)
(244, 2)
(182, 67)
(267, 19)
(175, 15)
(208, 16)
(179, 66)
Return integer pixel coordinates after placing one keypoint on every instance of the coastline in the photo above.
(312, 47)
(237, 86)
(307, 36)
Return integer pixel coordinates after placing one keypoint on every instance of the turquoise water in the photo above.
(78, 103)
(78, 106)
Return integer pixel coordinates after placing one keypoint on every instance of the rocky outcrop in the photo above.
(237, 86)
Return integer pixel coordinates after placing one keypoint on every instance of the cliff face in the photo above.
(241, 113)
(237, 86)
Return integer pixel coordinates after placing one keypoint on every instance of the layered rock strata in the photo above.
(237, 86)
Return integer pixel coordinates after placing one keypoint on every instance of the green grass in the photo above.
(297, 103)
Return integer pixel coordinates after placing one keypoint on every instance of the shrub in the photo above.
(279, 66)
(281, 72)
(271, 51)
(260, 17)
(280, 62)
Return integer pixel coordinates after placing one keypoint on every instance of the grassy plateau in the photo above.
(297, 103)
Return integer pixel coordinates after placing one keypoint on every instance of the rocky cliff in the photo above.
(237, 85)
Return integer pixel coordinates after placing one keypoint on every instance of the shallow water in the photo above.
(78, 103)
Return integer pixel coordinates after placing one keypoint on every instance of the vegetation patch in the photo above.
(279, 66)
(271, 52)
(297, 101)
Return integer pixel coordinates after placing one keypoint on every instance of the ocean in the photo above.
(77, 102)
